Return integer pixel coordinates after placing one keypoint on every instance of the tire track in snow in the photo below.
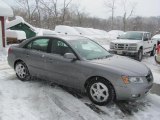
(71, 105)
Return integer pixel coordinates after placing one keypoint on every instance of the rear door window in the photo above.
(40, 44)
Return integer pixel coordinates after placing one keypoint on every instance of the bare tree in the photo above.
(111, 5)
(27, 6)
(127, 14)
(64, 9)
(51, 10)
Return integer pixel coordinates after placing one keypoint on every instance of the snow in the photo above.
(113, 34)
(45, 32)
(19, 35)
(156, 36)
(5, 10)
(66, 30)
(16, 21)
(39, 100)
(83, 31)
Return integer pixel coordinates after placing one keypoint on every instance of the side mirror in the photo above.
(145, 39)
(70, 56)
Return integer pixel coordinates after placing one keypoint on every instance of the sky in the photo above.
(96, 8)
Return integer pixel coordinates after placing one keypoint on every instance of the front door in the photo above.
(61, 70)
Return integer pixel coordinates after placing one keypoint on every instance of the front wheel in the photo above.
(139, 56)
(22, 71)
(100, 91)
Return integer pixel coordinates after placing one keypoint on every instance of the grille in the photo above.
(121, 46)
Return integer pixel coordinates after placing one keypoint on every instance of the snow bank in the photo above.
(113, 34)
(45, 32)
(66, 30)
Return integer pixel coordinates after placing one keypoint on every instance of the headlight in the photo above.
(128, 80)
(135, 79)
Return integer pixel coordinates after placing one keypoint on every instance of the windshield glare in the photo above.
(132, 36)
(88, 49)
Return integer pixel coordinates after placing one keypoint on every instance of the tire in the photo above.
(139, 56)
(158, 62)
(22, 72)
(100, 91)
(153, 51)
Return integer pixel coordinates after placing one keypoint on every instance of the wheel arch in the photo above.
(18, 60)
(98, 77)
(141, 48)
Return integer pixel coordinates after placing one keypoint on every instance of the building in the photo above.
(5, 11)
(19, 24)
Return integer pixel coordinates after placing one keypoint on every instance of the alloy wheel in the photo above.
(99, 92)
(21, 70)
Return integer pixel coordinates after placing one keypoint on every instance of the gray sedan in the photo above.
(80, 63)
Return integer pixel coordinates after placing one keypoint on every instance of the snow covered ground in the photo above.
(150, 62)
(39, 100)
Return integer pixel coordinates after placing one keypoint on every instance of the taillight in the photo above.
(10, 50)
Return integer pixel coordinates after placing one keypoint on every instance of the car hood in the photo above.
(123, 65)
(125, 41)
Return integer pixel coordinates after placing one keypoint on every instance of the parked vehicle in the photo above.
(134, 43)
(81, 63)
(156, 38)
(157, 56)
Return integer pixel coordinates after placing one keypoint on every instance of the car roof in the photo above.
(67, 37)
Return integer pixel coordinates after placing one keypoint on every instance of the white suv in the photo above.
(134, 43)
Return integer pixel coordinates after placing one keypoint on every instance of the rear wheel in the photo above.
(22, 71)
(153, 51)
(100, 91)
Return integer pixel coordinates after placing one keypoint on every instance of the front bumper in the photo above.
(123, 52)
(133, 91)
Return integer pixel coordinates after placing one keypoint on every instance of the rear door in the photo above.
(35, 56)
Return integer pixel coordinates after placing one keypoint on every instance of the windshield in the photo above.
(132, 36)
(88, 49)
